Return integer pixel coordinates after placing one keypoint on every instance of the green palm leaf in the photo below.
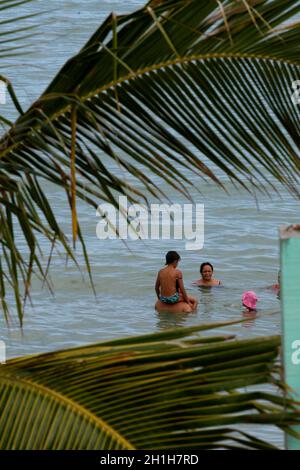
(175, 389)
(14, 33)
(177, 86)
(37, 417)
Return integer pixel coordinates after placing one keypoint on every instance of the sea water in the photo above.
(240, 237)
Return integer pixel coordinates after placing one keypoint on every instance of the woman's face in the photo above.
(207, 273)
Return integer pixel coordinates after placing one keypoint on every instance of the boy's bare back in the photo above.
(168, 277)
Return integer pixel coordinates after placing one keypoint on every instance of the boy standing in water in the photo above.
(170, 290)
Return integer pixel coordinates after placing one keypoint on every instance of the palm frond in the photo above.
(13, 28)
(15, 31)
(177, 86)
(174, 389)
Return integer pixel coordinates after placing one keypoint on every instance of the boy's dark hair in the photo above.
(206, 264)
(172, 256)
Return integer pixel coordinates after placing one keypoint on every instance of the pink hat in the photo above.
(249, 299)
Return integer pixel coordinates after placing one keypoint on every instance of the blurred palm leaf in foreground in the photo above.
(178, 85)
(173, 389)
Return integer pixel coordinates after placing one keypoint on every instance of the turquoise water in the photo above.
(241, 239)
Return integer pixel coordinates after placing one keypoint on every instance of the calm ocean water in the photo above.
(241, 239)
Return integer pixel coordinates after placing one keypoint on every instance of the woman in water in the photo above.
(206, 271)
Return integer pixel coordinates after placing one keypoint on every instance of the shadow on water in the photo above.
(250, 316)
(167, 321)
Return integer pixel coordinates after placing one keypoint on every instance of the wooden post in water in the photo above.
(290, 314)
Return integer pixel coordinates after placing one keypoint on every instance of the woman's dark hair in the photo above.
(206, 264)
(172, 256)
